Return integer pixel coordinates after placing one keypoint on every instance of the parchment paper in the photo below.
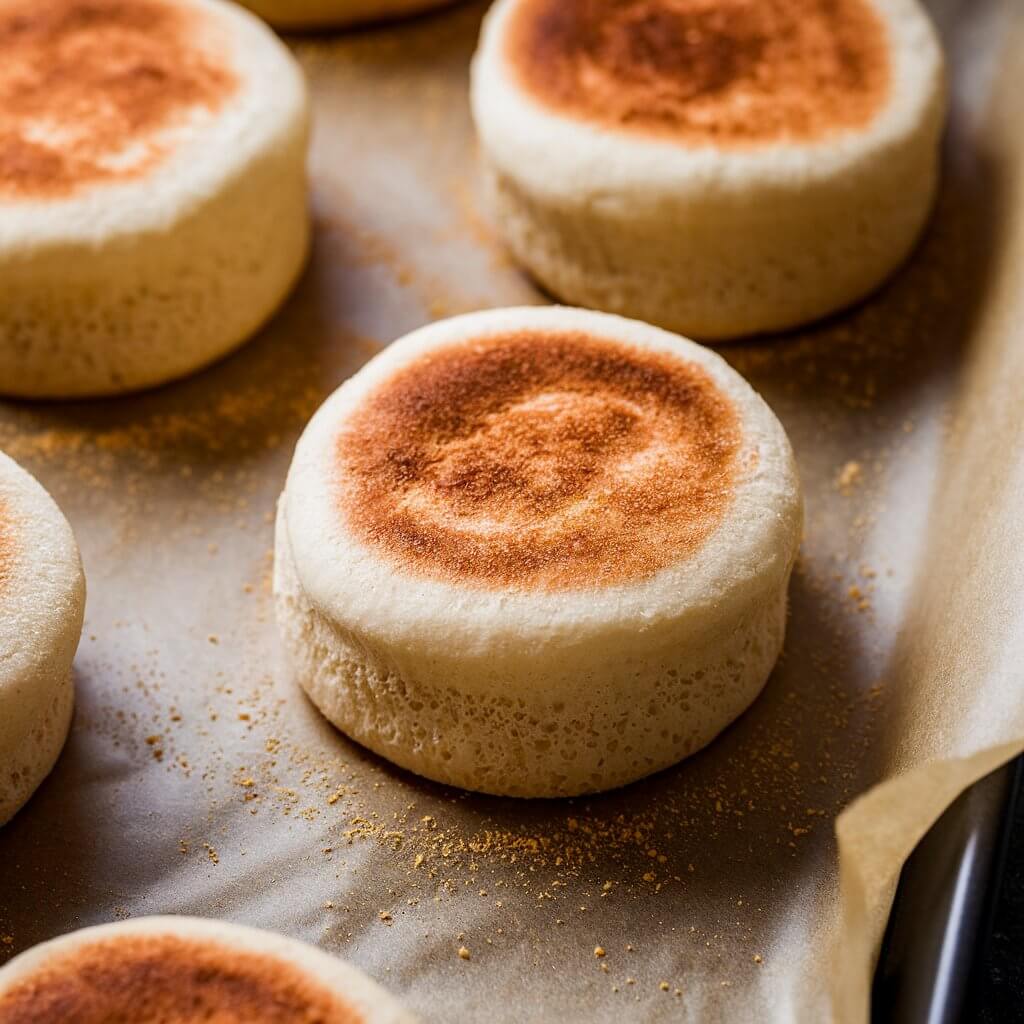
(197, 779)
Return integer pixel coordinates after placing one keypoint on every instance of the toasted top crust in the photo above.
(170, 979)
(728, 72)
(91, 90)
(539, 460)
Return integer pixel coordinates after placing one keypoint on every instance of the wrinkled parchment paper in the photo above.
(198, 780)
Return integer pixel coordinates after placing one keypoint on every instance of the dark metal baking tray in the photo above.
(942, 913)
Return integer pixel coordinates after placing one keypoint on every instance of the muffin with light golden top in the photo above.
(537, 552)
(718, 167)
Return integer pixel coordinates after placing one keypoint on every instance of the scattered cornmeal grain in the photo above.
(384, 916)
(663, 986)
(599, 951)
(464, 953)
(849, 477)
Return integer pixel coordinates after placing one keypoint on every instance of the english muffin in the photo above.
(718, 167)
(537, 551)
(182, 970)
(152, 189)
(42, 602)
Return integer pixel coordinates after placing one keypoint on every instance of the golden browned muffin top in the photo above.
(729, 72)
(170, 979)
(86, 85)
(542, 459)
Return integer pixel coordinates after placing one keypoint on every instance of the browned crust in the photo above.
(85, 84)
(549, 460)
(730, 72)
(167, 979)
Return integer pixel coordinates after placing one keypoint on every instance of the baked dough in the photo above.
(537, 551)
(42, 601)
(300, 14)
(152, 189)
(182, 970)
(719, 167)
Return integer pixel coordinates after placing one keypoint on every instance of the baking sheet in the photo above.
(933, 959)
(197, 779)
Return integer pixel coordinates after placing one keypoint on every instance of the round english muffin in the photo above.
(183, 970)
(300, 14)
(152, 189)
(718, 167)
(537, 551)
(42, 601)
